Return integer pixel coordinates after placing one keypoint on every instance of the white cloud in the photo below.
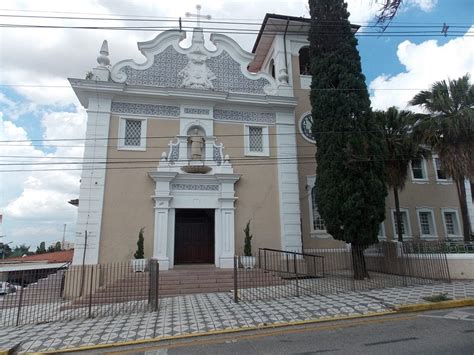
(40, 197)
(424, 5)
(424, 63)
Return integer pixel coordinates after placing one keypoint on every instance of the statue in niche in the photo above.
(197, 144)
(196, 74)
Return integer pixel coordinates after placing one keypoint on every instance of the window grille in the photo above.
(256, 139)
(133, 132)
(318, 222)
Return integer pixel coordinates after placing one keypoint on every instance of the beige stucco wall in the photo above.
(432, 194)
(419, 195)
(128, 205)
(257, 189)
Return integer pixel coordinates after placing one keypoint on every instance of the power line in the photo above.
(253, 21)
(256, 163)
(174, 137)
(245, 31)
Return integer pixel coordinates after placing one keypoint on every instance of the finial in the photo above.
(103, 58)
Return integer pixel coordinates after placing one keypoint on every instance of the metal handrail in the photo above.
(291, 252)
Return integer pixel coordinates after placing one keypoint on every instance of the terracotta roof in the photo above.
(62, 256)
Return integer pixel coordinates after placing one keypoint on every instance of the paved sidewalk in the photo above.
(204, 313)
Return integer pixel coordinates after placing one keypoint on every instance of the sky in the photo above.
(37, 104)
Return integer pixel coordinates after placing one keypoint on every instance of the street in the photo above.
(434, 332)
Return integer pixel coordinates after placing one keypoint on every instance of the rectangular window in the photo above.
(440, 174)
(318, 222)
(426, 222)
(405, 224)
(133, 133)
(417, 169)
(256, 139)
(451, 223)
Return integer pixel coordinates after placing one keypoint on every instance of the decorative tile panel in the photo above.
(227, 73)
(230, 78)
(195, 187)
(196, 111)
(163, 72)
(174, 154)
(242, 116)
(145, 109)
(217, 155)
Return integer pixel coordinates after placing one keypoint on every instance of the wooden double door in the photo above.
(194, 236)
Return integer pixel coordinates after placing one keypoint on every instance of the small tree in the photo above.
(21, 250)
(248, 240)
(140, 254)
(57, 246)
(41, 249)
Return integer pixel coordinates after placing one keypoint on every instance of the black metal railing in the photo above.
(82, 291)
(277, 273)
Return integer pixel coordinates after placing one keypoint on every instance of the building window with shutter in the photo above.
(440, 173)
(451, 223)
(405, 223)
(418, 170)
(426, 223)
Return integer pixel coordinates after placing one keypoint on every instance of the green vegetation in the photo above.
(248, 240)
(350, 174)
(140, 254)
(401, 146)
(448, 129)
(437, 298)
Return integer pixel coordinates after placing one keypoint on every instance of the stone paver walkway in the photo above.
(202, 313)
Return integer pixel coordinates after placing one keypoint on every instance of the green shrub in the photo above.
(248, 240)
(140, 254)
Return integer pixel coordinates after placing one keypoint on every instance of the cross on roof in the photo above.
(198, 16)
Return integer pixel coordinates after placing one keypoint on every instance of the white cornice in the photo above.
(139, 94)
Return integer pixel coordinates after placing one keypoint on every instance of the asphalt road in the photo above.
(434, 332)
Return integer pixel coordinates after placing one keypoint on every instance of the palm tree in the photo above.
(400, 147)
(449, 130)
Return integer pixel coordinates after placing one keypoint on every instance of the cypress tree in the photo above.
(350, 186)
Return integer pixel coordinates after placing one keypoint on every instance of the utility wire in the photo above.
(174, 136)
(231, 21)
(246, 31)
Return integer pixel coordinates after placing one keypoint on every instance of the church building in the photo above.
(194, 142)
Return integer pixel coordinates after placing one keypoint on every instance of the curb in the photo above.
(435, 305)
(11, 350)
(215, 332)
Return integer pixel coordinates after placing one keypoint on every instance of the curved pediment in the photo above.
(168, 65)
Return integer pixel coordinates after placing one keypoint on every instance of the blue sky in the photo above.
(34, 203)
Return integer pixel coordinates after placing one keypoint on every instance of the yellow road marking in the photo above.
(315, 328)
